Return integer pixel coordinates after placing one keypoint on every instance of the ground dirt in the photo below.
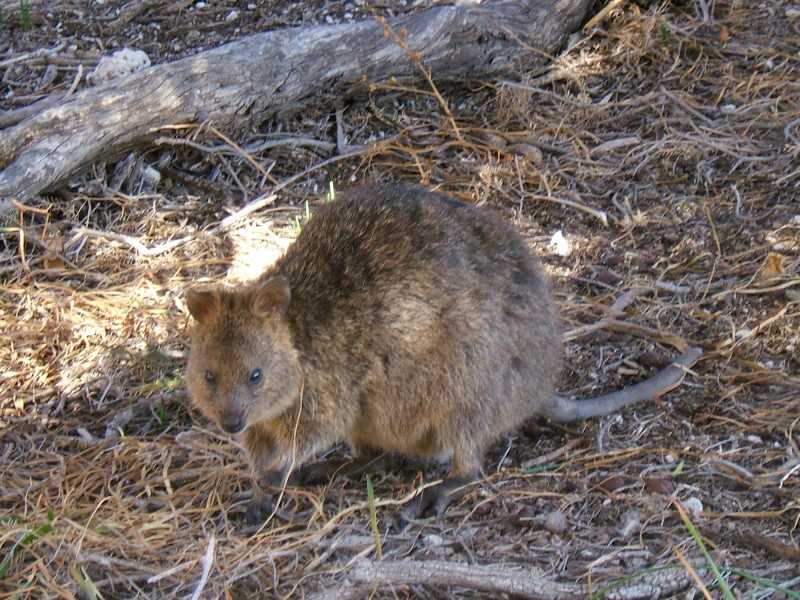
(659, 154)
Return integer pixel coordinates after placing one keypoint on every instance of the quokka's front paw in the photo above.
(258, 509)
(270, 480)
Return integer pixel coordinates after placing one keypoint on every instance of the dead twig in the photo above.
(208, 561)
(598, 214)
(29, 56)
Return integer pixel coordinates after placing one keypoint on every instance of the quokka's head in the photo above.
(243, 366)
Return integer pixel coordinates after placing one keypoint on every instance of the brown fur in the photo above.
(411, 322)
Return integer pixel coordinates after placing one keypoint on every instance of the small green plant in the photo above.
(373, 518)
(25, 20)
(27, 538)
(161, 413)
(85, 584)
(664, 31)
(296, 226)
(299, 221)
(541, 468)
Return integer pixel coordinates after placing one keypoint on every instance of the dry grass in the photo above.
(682, 137)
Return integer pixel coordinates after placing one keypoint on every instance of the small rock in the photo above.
(120, 63)
(659, 485)
(693, 505)
(251, 6)
(607, 277)
(631, 522)
(528, 151)
(560, 245)
(150, 177)
(650, 359)
(556, 522)
(433, 540)
(754, 439)
(493, 139)
(200, 5)
(524, 517)
(232, 16)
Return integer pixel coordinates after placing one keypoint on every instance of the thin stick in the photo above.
(595, 20)
(33, 55)
(598, 214)
(208, 561)
(245, 155)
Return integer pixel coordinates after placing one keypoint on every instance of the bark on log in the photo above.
(277, 72)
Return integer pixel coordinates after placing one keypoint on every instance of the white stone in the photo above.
(120, 63)
(693, 505)
(560, 245)
(433, 540)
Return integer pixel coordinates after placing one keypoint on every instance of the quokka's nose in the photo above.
(232, 423)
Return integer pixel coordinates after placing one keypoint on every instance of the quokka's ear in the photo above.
(203, 304)
(272, 296)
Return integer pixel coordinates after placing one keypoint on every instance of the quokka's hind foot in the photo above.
(433, 501)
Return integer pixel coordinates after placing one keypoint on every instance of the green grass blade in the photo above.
(373, 518)
(726, 590)
(27, 538)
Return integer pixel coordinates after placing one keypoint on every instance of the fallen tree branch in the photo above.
(275, 73)
(500, 579)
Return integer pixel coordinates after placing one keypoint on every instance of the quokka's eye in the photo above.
(210, 377)
(255, 376)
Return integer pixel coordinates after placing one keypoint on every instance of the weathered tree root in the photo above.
(369, 575)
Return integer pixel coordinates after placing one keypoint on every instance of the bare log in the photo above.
(278, 72)
(500, 579)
